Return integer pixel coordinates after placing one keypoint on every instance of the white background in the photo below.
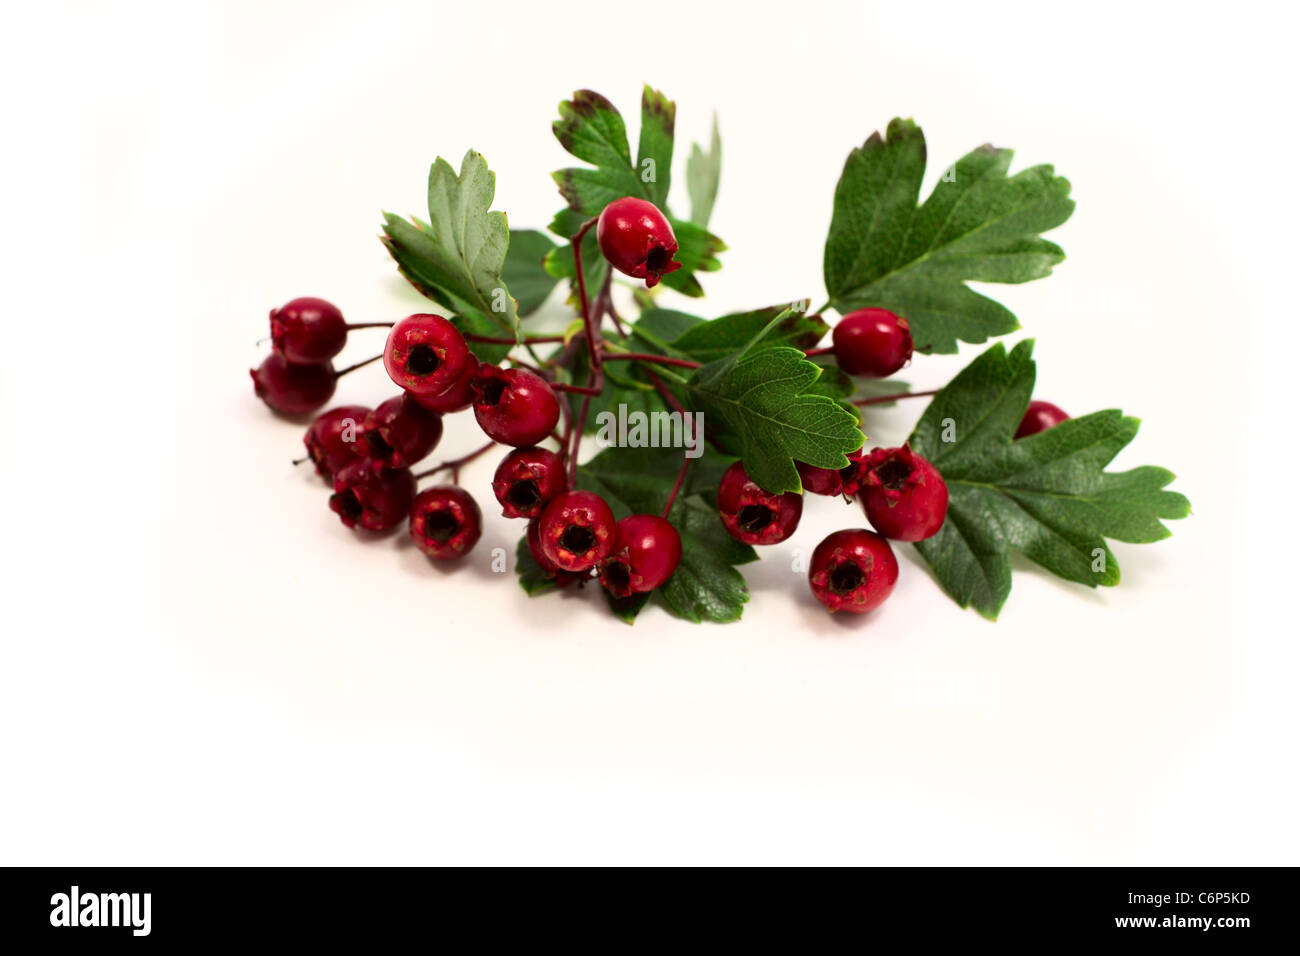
(201, 665)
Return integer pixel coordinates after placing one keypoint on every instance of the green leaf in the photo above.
(710, 341)
(703, 171)
(593, 130)
(1046, 496)
(457, 258)
(707, 585)
(525, 270)
(665, 324)
(763, 398)
(532, 578)
(979, 224)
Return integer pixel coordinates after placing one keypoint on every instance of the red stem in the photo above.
(648, 357)
(506, 340)
(681, 476)
(353, 368)
(828, 350)
(577, 440)
(456, 464)
(882, 399)
(666, 392)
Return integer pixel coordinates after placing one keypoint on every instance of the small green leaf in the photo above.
(525, 270)
(703, 171)
(979, 224)
(532, 578)
(1046, 496)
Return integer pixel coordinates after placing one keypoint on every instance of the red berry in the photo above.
(445, 522)
(853, 570)
(335, 439)
(647, 550)
(425, 354)
(514, 406)
(401, 431)
(872, 342)
(308, 330)
(376, 499)
(1039, 417)
(290, 388)
(459, 396)
(820, 481)
(637, 240)
(753, 515)
(851, 474)
(553, 571)
(904, 496)
(526, 480)
(576, 530)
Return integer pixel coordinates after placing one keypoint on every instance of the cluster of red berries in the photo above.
(367, 455)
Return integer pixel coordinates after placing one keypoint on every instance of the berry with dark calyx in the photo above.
(637, 240)
(752, 515)
(291, 388)
(445, 522)
(853, 570)
(647, 550)
(401, 432)
(459, 396)
(904, 496)
(425, 354)
(370, 497)
(820, 481)
(308, 330)
(336, 439)
(533, 536)
(513, 406)
(874, 343)
(576, 530)
(1039, 417)
(526, 480)
(851, 475)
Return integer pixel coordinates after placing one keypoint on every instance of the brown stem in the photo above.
(455, 464)
(370, 325)
(882, 399)
(353, 368)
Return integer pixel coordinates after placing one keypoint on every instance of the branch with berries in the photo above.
(739, 416)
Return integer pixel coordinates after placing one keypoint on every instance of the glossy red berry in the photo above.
(819, 481)
(647, 550)
(336, 438)
(851, 475)
(445, 522)
(526, 480)
(872, 342)
(904, 496)
(308, 330)
(534, 538)
(425, 354)
(514, 406)
(401, 432)
(293, 389)
(456, 398)
(376, 499)
(753, 515)
(853, 570)
(576, 530)
(1039, 417)
(637, 240)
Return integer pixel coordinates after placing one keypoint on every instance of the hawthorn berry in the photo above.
(1039, 417)
(533, 536)
(308, 330)
(851, 474)
(904, 496)
(456, 398)
(335, 438)
(293, 388)
(752, 515)
(425, 354)
(576, 530)
(820, 481)
(526, 480)
(853, 570)
(647, 550)
(637, 240)
(445, 522)
(370, 497)
(401, 431)
(872, 342)
(514, 406)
